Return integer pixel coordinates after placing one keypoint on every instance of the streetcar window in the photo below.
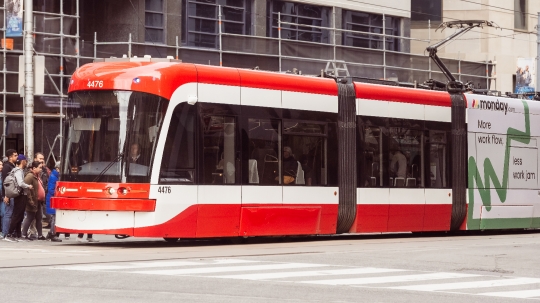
(406, 157)
(438, 159)
(304, 152)
(178, 164)
(219, 152)
(372, 170)
(264, 156)
(392, 153)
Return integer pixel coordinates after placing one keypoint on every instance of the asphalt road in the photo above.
(481, 267)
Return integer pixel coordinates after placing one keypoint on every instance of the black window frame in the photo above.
(148, 12)
(298, 32)
(521, 8)
(227, 20)
(392, 28)
(420, 16)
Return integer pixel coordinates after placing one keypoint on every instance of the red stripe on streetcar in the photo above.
(121, 231)
(293, 83)
(402, 94)
(103, 204)
(102, 190)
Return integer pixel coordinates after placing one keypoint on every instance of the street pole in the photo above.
(28, 79)
(538, 54)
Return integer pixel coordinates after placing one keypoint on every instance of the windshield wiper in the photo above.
(119, 157)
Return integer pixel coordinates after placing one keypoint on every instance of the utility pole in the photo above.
(538, 54)
(29, 78)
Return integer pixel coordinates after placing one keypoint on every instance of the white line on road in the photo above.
(469, 285)
(391, 279)
(313, 273)
(98, 267)
(206, 270)
(523, 294)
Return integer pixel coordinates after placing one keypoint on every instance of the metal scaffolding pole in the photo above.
(28, 78)
(4, 95)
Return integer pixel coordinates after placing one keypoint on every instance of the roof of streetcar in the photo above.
(163, 78)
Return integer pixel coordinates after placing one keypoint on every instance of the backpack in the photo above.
(11, 186)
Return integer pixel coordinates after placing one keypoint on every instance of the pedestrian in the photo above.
(2, 206)
(35, 197)
(8, 203)
(51, 189)
(44, 177)
(19, 205)
(89, 238)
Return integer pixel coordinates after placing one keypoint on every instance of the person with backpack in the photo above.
(35, 196)
(9, 165)
(19, 202)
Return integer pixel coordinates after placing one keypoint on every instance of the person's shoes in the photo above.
(33, 237)
(41, 238)
(55, 239)
(25, 239)
(9, 238)
(82, 240)
(92, 240)
(66, 238)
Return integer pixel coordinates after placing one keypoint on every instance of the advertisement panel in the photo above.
(524, 76)
(14, 18)
(503, 163)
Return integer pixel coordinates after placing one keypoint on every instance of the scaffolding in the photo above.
(58, 38)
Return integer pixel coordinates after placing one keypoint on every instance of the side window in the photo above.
(304, 153)
(178, 165)
(438, 159)
(220, 161)
(264, 151)
(406, 153)
(372, 163)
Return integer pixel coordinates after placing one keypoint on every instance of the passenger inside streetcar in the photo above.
(290, 166)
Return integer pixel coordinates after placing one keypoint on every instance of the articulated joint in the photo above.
(455, 87)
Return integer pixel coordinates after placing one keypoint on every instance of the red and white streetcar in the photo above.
(156, 148)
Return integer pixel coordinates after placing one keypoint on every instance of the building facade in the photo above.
(375, 38)
(514, 39)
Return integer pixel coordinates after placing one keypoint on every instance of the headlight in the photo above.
(111, 191)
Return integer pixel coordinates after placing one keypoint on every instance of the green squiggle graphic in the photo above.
(501, 187)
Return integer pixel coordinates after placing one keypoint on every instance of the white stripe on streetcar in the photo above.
(522, 294)
(312, 273)
(391, 279)
(98, 267)
(207, 270)
(469, 285)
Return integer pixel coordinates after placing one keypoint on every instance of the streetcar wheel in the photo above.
(171, 240)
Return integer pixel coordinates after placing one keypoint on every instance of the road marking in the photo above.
(135, 265)
(274, 271)
(469, 285)
(391, 279)
(207, 270)
(522, 294)
(313, 273)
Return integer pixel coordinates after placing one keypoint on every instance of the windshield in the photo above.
(112, 135)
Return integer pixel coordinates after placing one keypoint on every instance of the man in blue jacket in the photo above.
(51, 188)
